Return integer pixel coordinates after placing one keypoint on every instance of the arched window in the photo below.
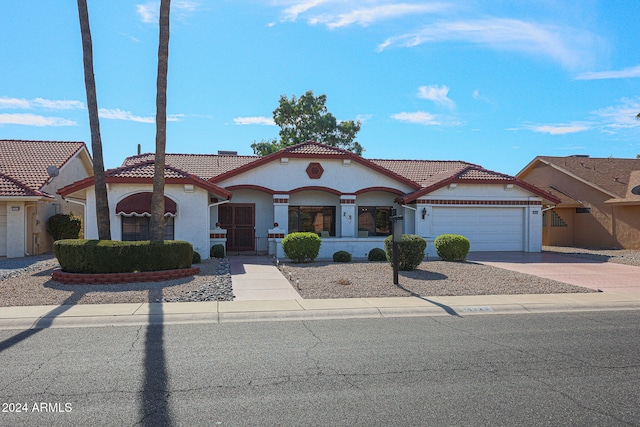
(135, 211)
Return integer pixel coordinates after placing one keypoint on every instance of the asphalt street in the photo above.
(541, 369)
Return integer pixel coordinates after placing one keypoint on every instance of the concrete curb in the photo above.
(136, 314)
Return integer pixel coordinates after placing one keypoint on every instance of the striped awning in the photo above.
(139, 204)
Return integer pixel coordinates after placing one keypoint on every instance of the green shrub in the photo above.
(217, 251)
(410, 251)
(197, 259)
(63, 226)
(452, 247)
(112, 256)
(342, 256)
(299, 247)
(377, 254)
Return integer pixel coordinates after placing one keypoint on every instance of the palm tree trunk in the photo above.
(157, 201)
(102, 201)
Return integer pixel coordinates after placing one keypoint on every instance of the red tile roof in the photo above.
(423, 175)
(143, 172)
(424, 172)
(205, 166)
(11, 187)
(25, 163)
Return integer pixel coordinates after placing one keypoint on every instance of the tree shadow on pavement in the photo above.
(154, 403)
(43, 322)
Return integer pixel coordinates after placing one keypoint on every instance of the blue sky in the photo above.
(492, 82)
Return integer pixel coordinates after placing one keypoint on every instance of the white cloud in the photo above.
(34, 120)
(420, 117)
(118, 114)
(620, 116)
(437, 94)
(25, 104)
(366, 16)
(14, 103)
(291, 13)
(627, 73)
(265, 121)
(569, 47)
(57, 104)
(561, 129)
(149, 12)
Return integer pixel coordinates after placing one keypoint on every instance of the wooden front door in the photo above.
(239, 220)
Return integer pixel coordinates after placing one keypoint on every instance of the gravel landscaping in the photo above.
(432, 278)
(27, 281)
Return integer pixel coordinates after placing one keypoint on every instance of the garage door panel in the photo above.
(488, 229)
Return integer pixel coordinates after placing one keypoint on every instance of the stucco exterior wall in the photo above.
(627, 226)
(191, 222)
(288, 176)
(76, 169)
(594, 229)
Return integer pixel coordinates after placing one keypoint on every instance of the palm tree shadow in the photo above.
(43, 322)
(154, 405)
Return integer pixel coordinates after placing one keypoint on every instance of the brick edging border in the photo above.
(115, 278)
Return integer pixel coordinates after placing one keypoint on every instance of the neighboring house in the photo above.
(597, 207)
(250, 203)
(31, 172)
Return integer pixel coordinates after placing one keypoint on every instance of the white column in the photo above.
(348, 216)
(281, 212)
(424, 225)
(533, 225)
(16, 229)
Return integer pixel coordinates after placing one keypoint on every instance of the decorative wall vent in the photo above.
(315, 170)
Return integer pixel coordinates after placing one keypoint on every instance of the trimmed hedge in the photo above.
(112, 256)
(410, 251)
(342, 256)
(197, 259)
(63, 226)
(452, 247)
(217, 251)
(377, 254)
(301, 246)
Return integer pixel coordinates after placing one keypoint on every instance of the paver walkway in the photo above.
(594, 274)
(255, 277)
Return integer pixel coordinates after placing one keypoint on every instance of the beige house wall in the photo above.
(606, 226)
(627, 226)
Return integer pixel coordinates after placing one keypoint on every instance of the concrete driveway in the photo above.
(604, 276)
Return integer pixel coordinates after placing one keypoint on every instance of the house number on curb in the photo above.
(475, 309)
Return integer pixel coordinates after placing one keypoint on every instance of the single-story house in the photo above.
(250, 203)
(31, 172)
(598, 207)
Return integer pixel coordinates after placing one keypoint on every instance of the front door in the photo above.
(239, 220)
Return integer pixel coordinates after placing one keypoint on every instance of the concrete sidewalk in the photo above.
(257, 278)
(92, 315)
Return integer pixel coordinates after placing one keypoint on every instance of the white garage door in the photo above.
(3, 229)
(488, 229)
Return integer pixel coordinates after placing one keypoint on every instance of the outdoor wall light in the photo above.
(424, 212)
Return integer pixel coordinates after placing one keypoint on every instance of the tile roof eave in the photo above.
(411, 197)
(35, 198)
(188, 179)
